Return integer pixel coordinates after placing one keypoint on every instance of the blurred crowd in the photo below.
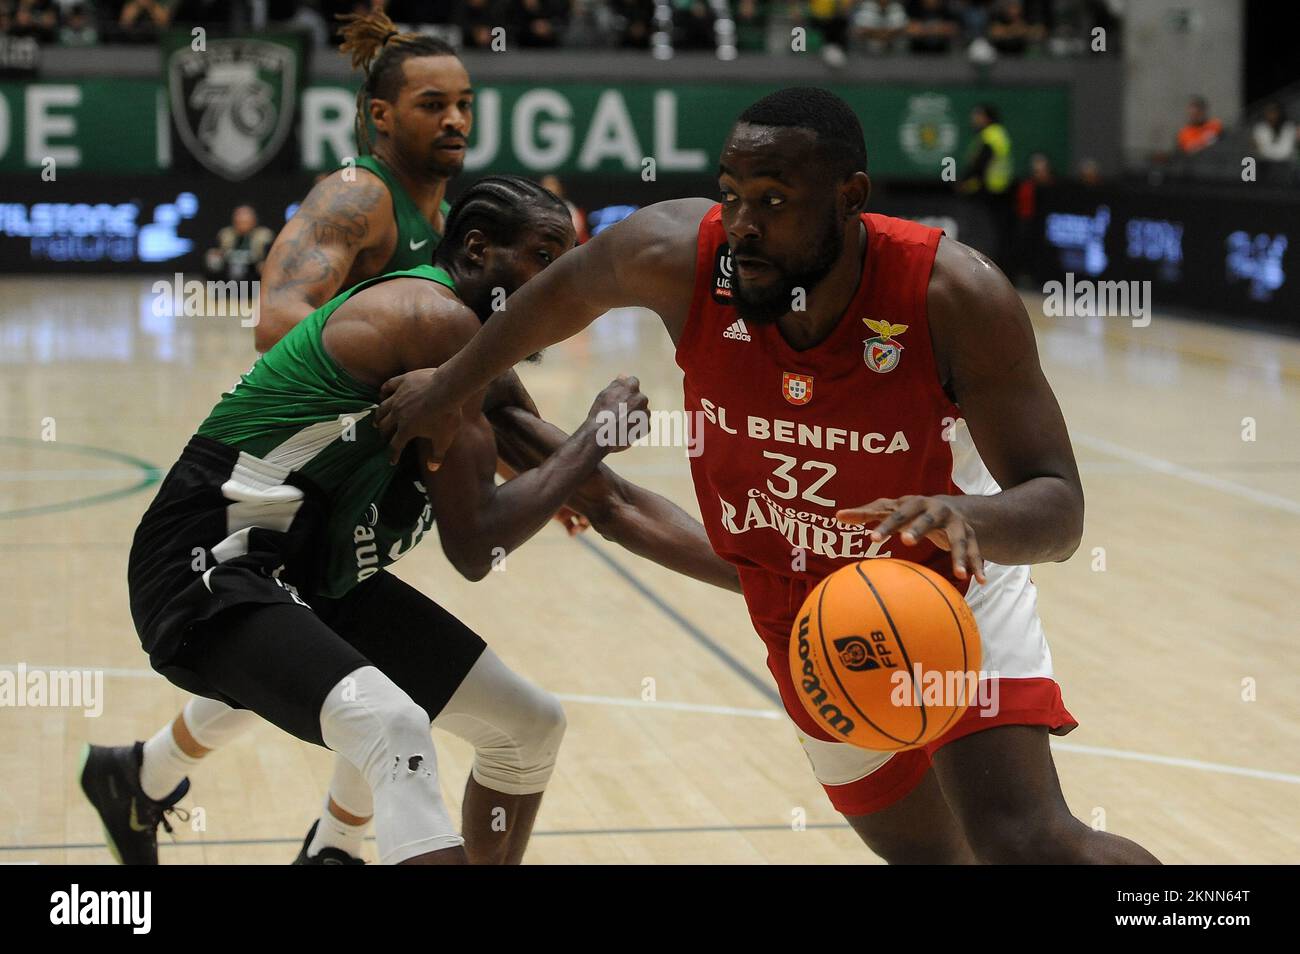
(983, 29)
(1206, 148)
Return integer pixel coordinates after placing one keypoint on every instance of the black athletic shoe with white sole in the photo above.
(110, 777)
(326, 856)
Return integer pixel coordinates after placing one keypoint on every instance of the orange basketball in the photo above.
(885, 654)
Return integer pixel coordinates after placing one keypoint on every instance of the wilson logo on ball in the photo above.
(832, 716)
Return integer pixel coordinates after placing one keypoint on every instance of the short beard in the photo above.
(766, 307)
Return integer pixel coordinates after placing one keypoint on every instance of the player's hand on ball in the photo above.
(914, 518)
(414, 406)
(621, 413)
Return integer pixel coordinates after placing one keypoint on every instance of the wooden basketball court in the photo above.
(1174, 628)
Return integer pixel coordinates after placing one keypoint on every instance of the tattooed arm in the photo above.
(343, 229)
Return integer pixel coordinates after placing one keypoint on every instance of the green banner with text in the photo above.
(121, 126)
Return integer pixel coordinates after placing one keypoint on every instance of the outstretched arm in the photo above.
(648, 259)
(639, 520)
(479, 521)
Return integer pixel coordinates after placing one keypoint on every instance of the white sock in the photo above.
(164, 765)
(333, 832)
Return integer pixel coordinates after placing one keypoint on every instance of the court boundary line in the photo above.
(1173, 761)
(550, 833)
(1170, 469)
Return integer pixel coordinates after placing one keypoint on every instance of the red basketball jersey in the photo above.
(786, 438)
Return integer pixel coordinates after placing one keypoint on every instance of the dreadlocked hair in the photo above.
(379, 49)
(499, 207)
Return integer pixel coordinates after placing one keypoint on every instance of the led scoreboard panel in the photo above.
(93, 224)
(1227, 250)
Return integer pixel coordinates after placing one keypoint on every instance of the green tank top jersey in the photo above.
(297, 411)
(416, 238)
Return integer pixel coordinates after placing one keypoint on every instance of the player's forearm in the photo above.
(522, 506)
(546, 309)
(1038, 521)
(656, 529)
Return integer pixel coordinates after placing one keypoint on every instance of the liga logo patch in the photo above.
(722, 269)
(882, 353)
(797, 388)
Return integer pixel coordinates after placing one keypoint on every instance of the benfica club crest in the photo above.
(881, 353)
(233, 104)
(797, 388)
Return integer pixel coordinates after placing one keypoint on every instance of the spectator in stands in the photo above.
(1009, 31)
(693, 25)
(1089, 173)
(634, 19)
(1200, 131)
(537, 23)
(1027, 217)
(831, 19)
(140, 20)
(35, 18)
(751, 24)
(1274, 138)
(78, 27)
(241, 247)
(477, 19)
(880, 25)
(932, 27)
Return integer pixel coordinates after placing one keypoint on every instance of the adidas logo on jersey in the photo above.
(737, 331)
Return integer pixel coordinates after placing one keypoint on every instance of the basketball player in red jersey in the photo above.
(845, 367)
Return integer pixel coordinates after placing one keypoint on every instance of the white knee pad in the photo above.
(349, 789)
(382, 731)
(213, 724)
(514, 726)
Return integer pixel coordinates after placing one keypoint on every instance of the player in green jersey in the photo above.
(257, 575)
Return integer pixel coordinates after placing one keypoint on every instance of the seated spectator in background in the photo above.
(1010, 32)
(78, 27)
(1275, 141)
(880, 25)
(831, 19)
(1201, 131)
(579, 217)
(693, 25)
(1089, 173)
(751, 24)
(35, 18)
(537, 23)
(140, 20)
(635, 19)
(241, 247)
(1027, 216)
(932, 27)
(477, 19)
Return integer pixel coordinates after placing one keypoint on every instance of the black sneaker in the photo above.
(110, 777)
(326, 856)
